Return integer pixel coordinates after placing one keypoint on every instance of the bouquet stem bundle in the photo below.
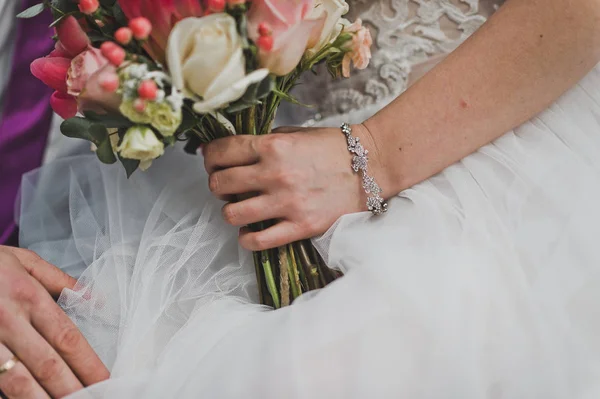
(286, 272)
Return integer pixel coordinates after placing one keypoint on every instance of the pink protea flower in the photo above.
(291, 30)
(163, 15)
(359, 52)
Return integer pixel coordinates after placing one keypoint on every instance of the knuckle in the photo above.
(67, 340)
(309, 226)
(260, 242)
(277, 144)
(214, 183)
(7, 259)
(18, 385)
(6, 317)
(49, 369)
(295, 206)
(229, 214)
(285, 178)
(24, 291)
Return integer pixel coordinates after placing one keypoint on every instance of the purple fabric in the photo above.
(26, 118)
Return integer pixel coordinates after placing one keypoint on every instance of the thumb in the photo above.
(51, 277)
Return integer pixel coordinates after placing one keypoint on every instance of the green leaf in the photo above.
(105, 152)
(107, 3)
(58, 20)
(119, 15)
(170, 140)
(253, 95)
(290, 99)
(265, 87)
(96, 37)
(239, 106)
(82, 128)
(188, 120)
(191, 147)
(130, 165)
(62, 7)
(32, 11)
(111, 121)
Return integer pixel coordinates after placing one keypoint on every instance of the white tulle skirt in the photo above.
(481, 282)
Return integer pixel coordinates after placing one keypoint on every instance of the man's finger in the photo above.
(16, 382)
(230, 151)
(60, 332)
(44, 364)
(51, 277)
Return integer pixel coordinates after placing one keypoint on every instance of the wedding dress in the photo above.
(481, 282)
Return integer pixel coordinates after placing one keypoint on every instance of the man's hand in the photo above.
(54, 357)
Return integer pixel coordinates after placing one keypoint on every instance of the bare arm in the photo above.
(520, 61)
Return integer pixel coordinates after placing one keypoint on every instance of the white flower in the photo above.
(141, 143)
(205, 57)
(335, 9)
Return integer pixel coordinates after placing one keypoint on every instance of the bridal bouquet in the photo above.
(134, 77)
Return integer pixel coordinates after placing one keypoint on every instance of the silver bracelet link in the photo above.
(375, 203)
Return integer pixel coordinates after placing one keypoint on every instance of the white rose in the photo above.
(205, 57)
(141, 143)
(335, 9)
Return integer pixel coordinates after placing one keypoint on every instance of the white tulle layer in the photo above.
(482, 282)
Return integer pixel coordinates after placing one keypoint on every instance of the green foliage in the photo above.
(105, 153)
(61, 7)
(130, 165)
(253, 95)
(110, 121)
(285, 96)
(32, 11)
(93, 132)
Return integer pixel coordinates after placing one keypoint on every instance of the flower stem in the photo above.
(284, 277)
(271, 286)
(293, 271)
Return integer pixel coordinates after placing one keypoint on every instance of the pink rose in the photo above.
(359, 48)
(95, 98)
(73, 69)
(82, 68)
(291, 30)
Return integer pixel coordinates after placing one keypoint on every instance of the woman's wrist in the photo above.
(380, 168)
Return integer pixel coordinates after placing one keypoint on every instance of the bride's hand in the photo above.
(301, 178)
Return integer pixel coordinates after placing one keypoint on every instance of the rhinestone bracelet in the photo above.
(375, 203)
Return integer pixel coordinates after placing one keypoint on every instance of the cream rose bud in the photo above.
(206, 59)
(141, 143)
(334, 10)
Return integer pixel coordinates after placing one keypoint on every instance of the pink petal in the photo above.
(290, 46)
(63, 104)
(95, 98)
(72, 37)
(163, 15)
(59, 51)
(52, 71)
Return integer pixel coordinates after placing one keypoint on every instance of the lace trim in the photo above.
(406, 33)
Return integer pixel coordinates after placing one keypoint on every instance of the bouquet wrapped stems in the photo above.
(283, 273)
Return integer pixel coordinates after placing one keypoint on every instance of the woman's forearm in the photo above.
(519, 62)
